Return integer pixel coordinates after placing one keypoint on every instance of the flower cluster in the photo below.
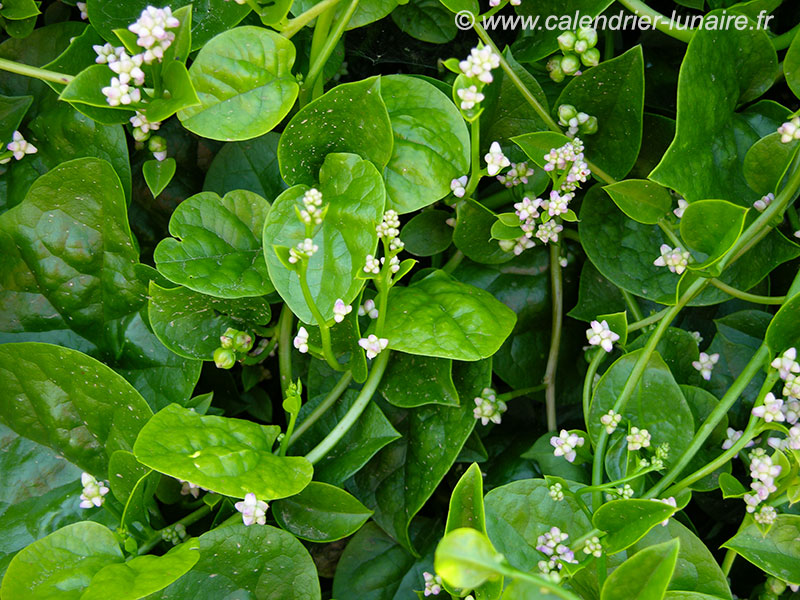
(577, 47)
(763, 471)
(488, 407)
(233, 343)
(600, 334)
(341, 310)
(301, 340)
(611, 421)
(433, 584)
(373, 345)
(565, 443)
(368, 309)
(312, 212)
(152, 31)
(253, 510)
(567, 162)
(516, 175)
(638, 439)
(733, 436)
(682, 206)
(142, 127)
(761, 205)
(303, 251)
(459, 186)
(556, 492)
(480, 63)
(93, 491)
(705, 364)
(593, 546)
(470, 96)
(575, 121)
(19, 147)
(790, 130)
(766, 515)
(389, 230)
(551, 543)
(676, 259)
(190, 489)
(174, 534)
(496, 161)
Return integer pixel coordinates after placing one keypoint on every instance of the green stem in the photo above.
(557, 293)
(453, 262)
(552, 588)
(633, 305)
(663, 23)
(365, 395)
(186, 521)
(521, 392)
(784, 40)
(641, 324)
(754, 298)
(128, 501)
(588, 382)
(727, 562)
(667, 229)
(323, 407)
(36, 72)
(475, 158)
(330, 44)
(324, 330)
(321, 31)
(301, 20)
(285, 347)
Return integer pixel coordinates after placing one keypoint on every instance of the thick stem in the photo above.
(754, 298)
(633, 305)
(475, 157)
(453, 262)
(324, 330)
(364, 397)
(285, 347)
(784, 40)
(330, 44)
(557, 292)
(663, 23)
(323, 407)
(300, 21)
(36, 72)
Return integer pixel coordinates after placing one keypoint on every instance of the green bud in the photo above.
(775, 586)
(157, 144)
(242, 342)
(589, 127)
(591, 58)
(570, 64)
(554, 68)
(566, 41)
(130, 545)
(224, 358)
(226, 339)
(588, 35)
(565, 113)
(581, 47)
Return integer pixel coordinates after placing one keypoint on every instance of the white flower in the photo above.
(390, 225)
(470, 96)
(340, 310)
(301, 340)
(610, 420)
(548, 232)
(790, 130)
(682, 204)
(751, 501)
(458, 186)
(677, 259)
(106, 54)
(551, 543)
(763, 470)
(373, 265)
(564, 444)
(479, 64)
(19, 147)
(518, 246)
(705, 364)
(142, 127)
(793, 441)
(556, 492)
(766, 516)
(600, 334)
(188, 488)
(368, 308)
(761, 205)
(787, 363)
(128, 68)
(495, 159)
(697, 337)
(394, 263)
(121, 93)
(671, 502)
(638, 439)
(528, 209)
(488, 407)
(304, 249)
(82, 7)
(312, 211)
(733, 437)
(593, 547)
(771, 410)
(373, 345)
(151, 28)
(626, 491)
(558, 204)
(433, 584)
(93, 491)
(518, 173)
(791, 407)
(569, 158)
(253, 510)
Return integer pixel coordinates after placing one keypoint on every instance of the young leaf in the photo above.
(644, 576)
(158, 174)
(643, 201)
(784, 330)
(179, 94)
(710, 228)
(766, 162)
(466, 502)
(777, 552)
(466, 559)
(180, 443)
(627, 521)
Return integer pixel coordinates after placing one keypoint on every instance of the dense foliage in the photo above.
(350, 300)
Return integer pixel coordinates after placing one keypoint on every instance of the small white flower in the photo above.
(372, 265)
(479, 64)
(556, 492)
(682, 205)
(733, 437)
(517, 174)
(394, 263)
(303, 250)
(128, 68)
(93, 491)
(558, 204)
(390, 225)
(488, 407)
(569, 158)
(340, 310)
(564, 444)
(677, 259)
(188, 488)
(142, 127)
(106, 54)
(626, 491)
(433, 584)
(470, 96)
(20, 147)
(790, 130)
(593, 547)
(600, 334)
(527, 209)
(368, 308)
(611, 421)
(763, 471)
(82, 7)
(495, 159)
(787, 363)
(638, 439)
(301, 340)
(766, 516)
(771, 410)
(151, 30)
(705, 364)
(121, 93)
(458, 186)
(793, 441)
(253, 510)
(548, 232)
(519, 245)
(697, 337)
(312, 211)
(373, 345)
(761, 205)
(751, 501)
(791, 407)
(671, 502)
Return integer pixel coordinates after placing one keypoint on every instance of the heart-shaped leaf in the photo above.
(642, 200)
(710, 228)
(644, 576)
(627, 521)
(158, 174)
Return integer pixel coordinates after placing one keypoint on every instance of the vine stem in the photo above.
(303, 19)
(324, 330)
(663, 23)
(337, 433)
(588, 382)
(521, 392)
(323, 407)
(557, 290)
(285, 347)
(330, 44)
(633, 305)
(29, 71)
(647, 320)
(475, 157)
(754, 298)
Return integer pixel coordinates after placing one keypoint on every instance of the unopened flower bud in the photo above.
(566, 41)
(570, 64)
(591, 58)
(589, 127)
(226, 339)
(588, 35)
(243, 342)
(224, 358)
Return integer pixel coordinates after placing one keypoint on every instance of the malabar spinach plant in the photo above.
(378, 300)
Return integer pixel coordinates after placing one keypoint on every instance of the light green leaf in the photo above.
(14, 10)
(179, 94)
(643, 201)
(219, 252)
(710, 228)
(232, 457)
(627, 521)
(411, 381)
(766, 162)
(644, 576)
(784, 330)
(466, 559)
(158, 174)
(777, 552)
(133, 485)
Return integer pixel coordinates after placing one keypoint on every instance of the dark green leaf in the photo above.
(425, 20)
(642, 200)
(428, 233)
(644, 576)
(710, 228)
(412, 381)
(158, 174)
(791, 66)
(766, 162)
(472, 234)
(12, 109)
(627, 521)
(250, 165)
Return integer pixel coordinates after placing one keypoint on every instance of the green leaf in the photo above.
(710, 228)
(702, 403)
(142, 575)
(613, 92)
(627, 521)
(427, 233)
(425, 20)
(158, 174)
(644, 576)
(466, 502)
(349, 118)
(472, 234)
(411, 381)
(86, 89)
(777, 552)
(368, 11)
(596, 295)
(244, 81)
(470, 323)
(232, 457)
(731, 487)
(353, 190)
(519, 512)
(431, 143)
(250, 165)
(62, 564)
(189, 323)
(791, 66)
(181, 46)
(432, 438)
(766, 162)
(79, 407)
(536, 145)
(643, 201)
(782, 332)
(19, 9)
(133, 485)
(220, 249)
(259, 562)
(466, 559)
(321, 513)
(704, 160)
(12, 109)
(179, 94)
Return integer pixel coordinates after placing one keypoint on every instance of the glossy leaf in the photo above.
(466, 502)
(179, 94)
(349, 118)
(321, 513)
(250, 165)
(476, 323)
(425, 20)
(158, 174)
(472, 234)
(777, 552)
(766, 162)
(219, 252)
(427, 233)
(244, 81)
(782, 332)
(411, 381)
(465, 558)
(353, 190)
(644, 576)
(229, 456)
(133, 485)
(12, 109)
(791, 66)
(627, 521)
(643, 201)
(710, 228)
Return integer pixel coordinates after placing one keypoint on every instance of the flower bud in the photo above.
(589, 127)
(242, 342)
(224, 358)
(591, 58)
(226, 339)
(554, 68)
(570, 64)
(566, 41)
(580, 47)
(588, 35)
(565, 113)
(158, 146)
